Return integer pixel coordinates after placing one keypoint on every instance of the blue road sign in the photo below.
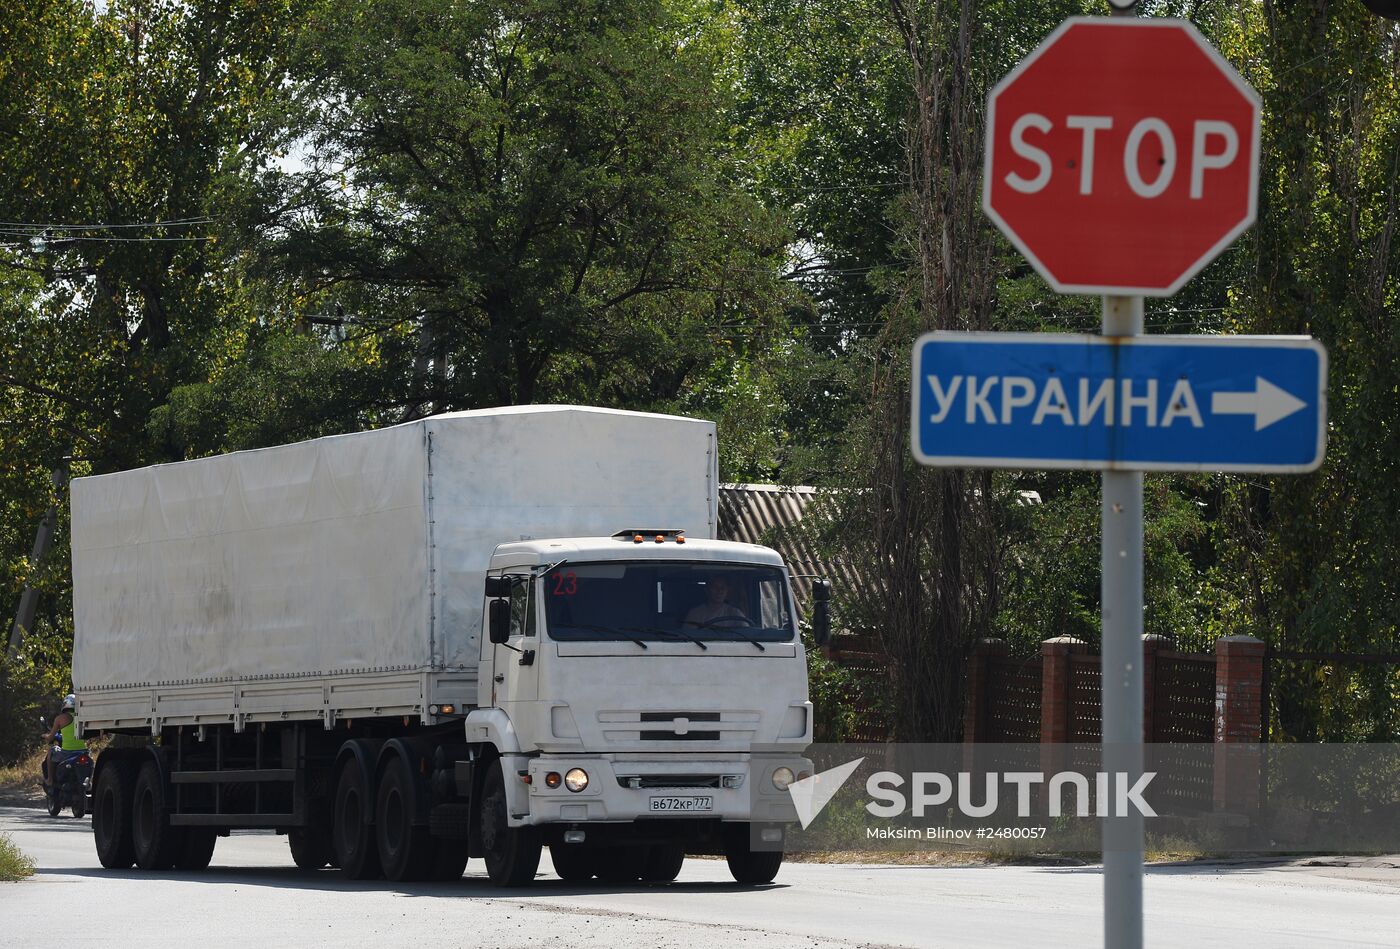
(1152, 403)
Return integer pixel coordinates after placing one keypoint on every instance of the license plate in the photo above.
(675, 804)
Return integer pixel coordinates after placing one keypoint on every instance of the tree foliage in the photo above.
(226, 224)
(520, 201)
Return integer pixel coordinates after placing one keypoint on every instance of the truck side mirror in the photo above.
(498, 586)
(821, 611)
(499, 620)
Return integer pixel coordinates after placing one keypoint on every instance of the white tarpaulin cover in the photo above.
(357, 553)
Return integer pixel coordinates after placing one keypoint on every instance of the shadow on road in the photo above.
(331, 881)
(473, 884)
(40, 820)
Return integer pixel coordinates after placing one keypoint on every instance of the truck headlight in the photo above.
(782, 777)
(576, 779)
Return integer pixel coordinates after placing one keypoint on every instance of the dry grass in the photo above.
(935, 858)
(15, 864)
(19, 782)
(984, 858)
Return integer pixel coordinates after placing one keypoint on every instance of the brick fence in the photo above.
(1186, 699)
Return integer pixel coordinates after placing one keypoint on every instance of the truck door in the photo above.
(515, 664)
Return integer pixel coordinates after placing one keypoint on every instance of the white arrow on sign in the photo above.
(1267, 403)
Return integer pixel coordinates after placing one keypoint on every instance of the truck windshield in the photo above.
(667, 602)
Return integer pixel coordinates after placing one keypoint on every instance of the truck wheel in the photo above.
(572, 863)
(155, 842)
(662, 863)
(621, 864)
(512, 853)
(310, 846)
(750, 867)
(449, 860)
(197, 848)
(111, 817)
(354, 839)
(405, 850)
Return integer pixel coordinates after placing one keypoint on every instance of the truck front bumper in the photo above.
(627, 788)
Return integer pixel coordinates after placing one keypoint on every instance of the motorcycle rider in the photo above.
(62, 736)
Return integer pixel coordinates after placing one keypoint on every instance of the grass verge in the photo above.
(985, 858)
(14, 863)
(19, 782)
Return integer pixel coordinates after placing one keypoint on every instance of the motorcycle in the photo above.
(71, 784)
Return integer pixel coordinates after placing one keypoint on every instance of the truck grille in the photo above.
(674, 781)
(701, 726)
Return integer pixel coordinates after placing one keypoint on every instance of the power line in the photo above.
(121, 240)
(174, 222)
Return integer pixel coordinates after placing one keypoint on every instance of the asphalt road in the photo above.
(253, 898)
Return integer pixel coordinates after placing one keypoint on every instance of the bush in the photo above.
(844, 701)
(14, 863)
(32, 684)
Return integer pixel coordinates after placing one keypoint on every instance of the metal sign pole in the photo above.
(1121, 669)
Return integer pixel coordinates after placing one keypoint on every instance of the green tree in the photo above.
(520, 202)
(1312, 562)
(119, 128)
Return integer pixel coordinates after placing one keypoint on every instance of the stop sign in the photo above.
(1122, 155)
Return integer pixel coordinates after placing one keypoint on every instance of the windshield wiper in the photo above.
(593, 628)
(667, 632)
(717, 624)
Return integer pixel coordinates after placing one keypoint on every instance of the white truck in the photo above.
(477, 634)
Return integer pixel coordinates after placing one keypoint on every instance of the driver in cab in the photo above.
(716, 606)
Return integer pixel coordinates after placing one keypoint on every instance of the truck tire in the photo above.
(619, 865)
(310, 846)
(662, 863)
(750, 867)
(111, 817)
(196, 849)
(355, 848)
(154, 841)
(572, 863)
(405, 849)
(512, 854)
(449, 860)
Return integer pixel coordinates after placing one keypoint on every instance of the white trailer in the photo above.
(300, 635)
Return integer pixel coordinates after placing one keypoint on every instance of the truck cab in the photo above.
(645, 691)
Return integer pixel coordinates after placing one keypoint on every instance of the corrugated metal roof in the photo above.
(768, 514)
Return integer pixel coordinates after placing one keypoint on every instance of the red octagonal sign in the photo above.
(1122, 155)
